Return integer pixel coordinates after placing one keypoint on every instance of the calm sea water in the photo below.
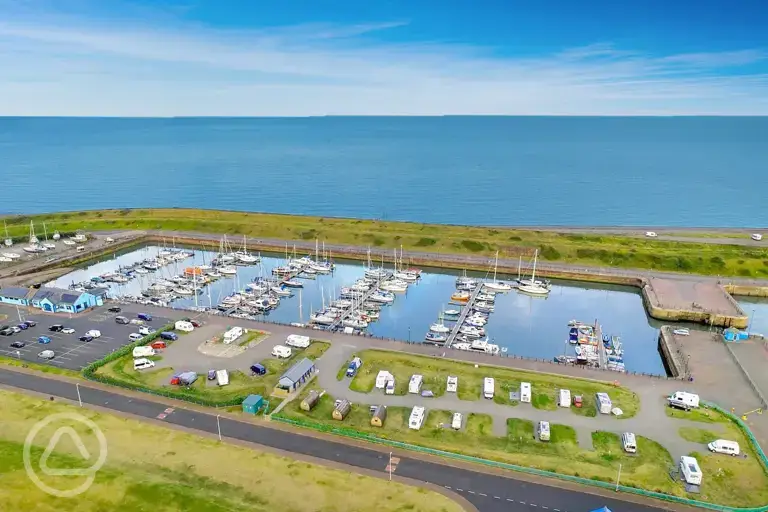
(526, 326)
(464, 170)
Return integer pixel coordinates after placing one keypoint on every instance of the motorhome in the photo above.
(414, 385)
(233, 334)
(222, 377)
(724, 446)
(142, 363)
(416, 420)
(456, 422)
(757, 237)
(354, 365)
(628, 442)
(281, 352)
(543, 431)
(489, 387)
(452, 385)
(564, 398)
(382, 378)
(297, 341)
(525, 392)
(689, 468)
(143, 351)
(684, 400)
(603, 402)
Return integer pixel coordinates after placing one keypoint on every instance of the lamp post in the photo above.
(218, 426)
(617, 479)
(80, 400)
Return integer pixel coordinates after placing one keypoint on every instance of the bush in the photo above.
(472, 245)
(549, 253)
(425, 242)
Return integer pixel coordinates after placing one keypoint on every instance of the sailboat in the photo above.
(8, 239)
(374, 272)
(533, 288)
(497, 286)
(522, 281)
(47, 244)
(244, 257)
(439, 327)
(300, 323)
(33, 246)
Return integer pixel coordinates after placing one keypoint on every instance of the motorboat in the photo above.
(439, 327)
(435, 337)
(452, 312)
(461, 346)
(484, 346)
(406, 276)
(183, 290)
(355, 323)
(486, 297)
(69, 241)
(323, 319)
(49, 245)
(293, 283)
(32, 249)
(460, 296)
(3, 259)
(11, 255)
(382, 296)
(140, 270)
(280, 291)
(394, 287)
(472, 331)
(149, 265)
(228, 270)
(282, 270)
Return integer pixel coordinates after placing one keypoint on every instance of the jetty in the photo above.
(463, 316)
(360, 300)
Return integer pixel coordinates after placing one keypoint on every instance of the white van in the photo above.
(184, 326)
(724, 446)
(281, 352)
(628, 442)
(414, 385)
(689, 468)
(416, 420)
(543, 431)
(298, 341)
(456, 423)
(382, 378)
(390, 388)
(525, 392)
(143, 351)
(564, 398)
(489, 387)
(134, 336)
(142, 363)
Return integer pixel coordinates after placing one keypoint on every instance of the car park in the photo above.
(67, 330)
(44, 339)
(18, 344)
(93, 333)
(46, 354)
(56, 328)
(86, 338)
(114, 309)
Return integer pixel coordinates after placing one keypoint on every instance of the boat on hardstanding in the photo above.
(8, 239)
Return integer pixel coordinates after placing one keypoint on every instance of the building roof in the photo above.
(252, 400)
(57, 295)
(14, 292)
(296, 372)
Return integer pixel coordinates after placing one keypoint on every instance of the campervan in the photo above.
(489, 387)
(298, 341)
(281, 352)
(140, 364)
(689, 468)
(543, 431)
(184, 326)
(382, 378)
(603, 402)
(628, 442)
(723, 446)
(143, 351)
(525, 392)
(456, 422)
(232, 334)
(414, 385)
(684, 400)
(416, 419)
(564, 400)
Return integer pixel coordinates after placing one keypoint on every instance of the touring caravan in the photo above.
(543, 431)
(297, 341)
(564, 400)
(142, 363)
(184, 326)
(452, 385)
(628, 442)
(281, 352)
(456, 422)
(382, 378)
(525, 392)
(414, 385)
(489, 387)
(222, 377)
(684, 400)
(603, 402)
(416, 419)
(232, 334)
(143, 351)
(689, 468)
(723, 446)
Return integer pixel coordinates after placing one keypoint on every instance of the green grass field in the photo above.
(579, 249)
(544, 386)
(170, 471)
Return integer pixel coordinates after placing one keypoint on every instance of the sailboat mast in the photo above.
(317, 256)
(495, 265)
(301, 316)
(533, 274)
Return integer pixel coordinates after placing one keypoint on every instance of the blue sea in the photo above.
(676, 171)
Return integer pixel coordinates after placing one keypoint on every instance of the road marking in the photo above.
(545, 508)
(482, 494)
(533, 504)
(497, 497)
(521, 502)
(471, 492)
(510, 500)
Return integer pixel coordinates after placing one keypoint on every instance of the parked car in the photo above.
(258, 369)
(44, 339)
(195, 323)
(121, 320)
(46, 354)
(211, 374)
(134, 336)
(170, 336)
(30, 323)
(158, 345)
(114, 309)
(56, 328)
(144, 316)
(18, 344)
(136, 321)
(23, 326)
(16, 329)
(146, 331)
(86, 338)
(7, 331)
(67, 330)
(578, 401)
(93, 333)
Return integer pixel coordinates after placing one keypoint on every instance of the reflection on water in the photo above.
(526, 326)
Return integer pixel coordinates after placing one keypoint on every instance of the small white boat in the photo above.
(293, 283)
(486, 297)
(434, 336)
(3, 259)
(228, 270)
(282, 292)
(319, 318)
(452, 312)
(183, 290)
(323, 268)
(382, 296)
(11, 255)
(140, 270)
(49, 245)
(376, 273)
(69, 242)
(394, 287)
(498, 286)
(246, 258)
(32, 249)
(472, 331)
(406, 276)
(682, 332)
(439, 328)
(533, 289)
(355, 323)
(461, 346)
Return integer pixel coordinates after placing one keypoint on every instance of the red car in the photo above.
(158, 345)
(577, 401)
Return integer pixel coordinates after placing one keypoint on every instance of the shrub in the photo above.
(425, 242)
(472, 245)
(549, 253)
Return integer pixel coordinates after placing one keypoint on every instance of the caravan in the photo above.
(416, 419)
(525, 392)
(684, 400)
(281, 352)
(689, 468)
(143, 351)
(382, 378)
(628, 442)
(603, 402)
(543, 431)
(564, 400)
(489, 387)
(232, 334)
(297, 341)
(414, 386)
(222, 377)
(184, 326)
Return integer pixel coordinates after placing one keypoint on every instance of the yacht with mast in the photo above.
(497, 286)
(8, 239)
(533, 287)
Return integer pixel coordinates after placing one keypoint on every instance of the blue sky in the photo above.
(387, 57)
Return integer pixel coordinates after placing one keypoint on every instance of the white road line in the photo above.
(460, 490)
(471, 492)
(482, 494)
(545, 508)
(497, 497)
(533, 504)
(521, 502)
(510, 500)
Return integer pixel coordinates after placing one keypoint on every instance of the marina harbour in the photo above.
(519, 324)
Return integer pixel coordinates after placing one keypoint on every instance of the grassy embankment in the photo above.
(577, 249)
(240, 384)
(544, 386)
(737, 481)
(12, 361)
(172, 471)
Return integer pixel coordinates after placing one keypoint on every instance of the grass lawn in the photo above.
(253, 337)
(562, 453)
(582, 249)
(698, 435)
(12, 361)
(436, 371)
(701, 414)
(171, 471)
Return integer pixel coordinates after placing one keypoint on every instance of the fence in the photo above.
(354, 434)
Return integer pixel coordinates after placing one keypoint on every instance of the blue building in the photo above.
(53, 300)
(296, 375)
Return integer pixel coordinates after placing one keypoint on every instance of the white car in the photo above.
(93, 333)
(145, 331)
(67, 330)
(135, 336)
(46, 354)
(651, 234)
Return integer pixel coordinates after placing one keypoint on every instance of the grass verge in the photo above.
(10, 361)
(172, 471)
(579, 249)
(544, 386)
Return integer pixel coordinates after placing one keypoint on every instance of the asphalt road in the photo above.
(489, 493)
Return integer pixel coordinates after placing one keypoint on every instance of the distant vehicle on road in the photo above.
(757, 237)
(651, 234)
(44, 339)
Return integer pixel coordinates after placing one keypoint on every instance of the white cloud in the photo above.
(60, 65)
